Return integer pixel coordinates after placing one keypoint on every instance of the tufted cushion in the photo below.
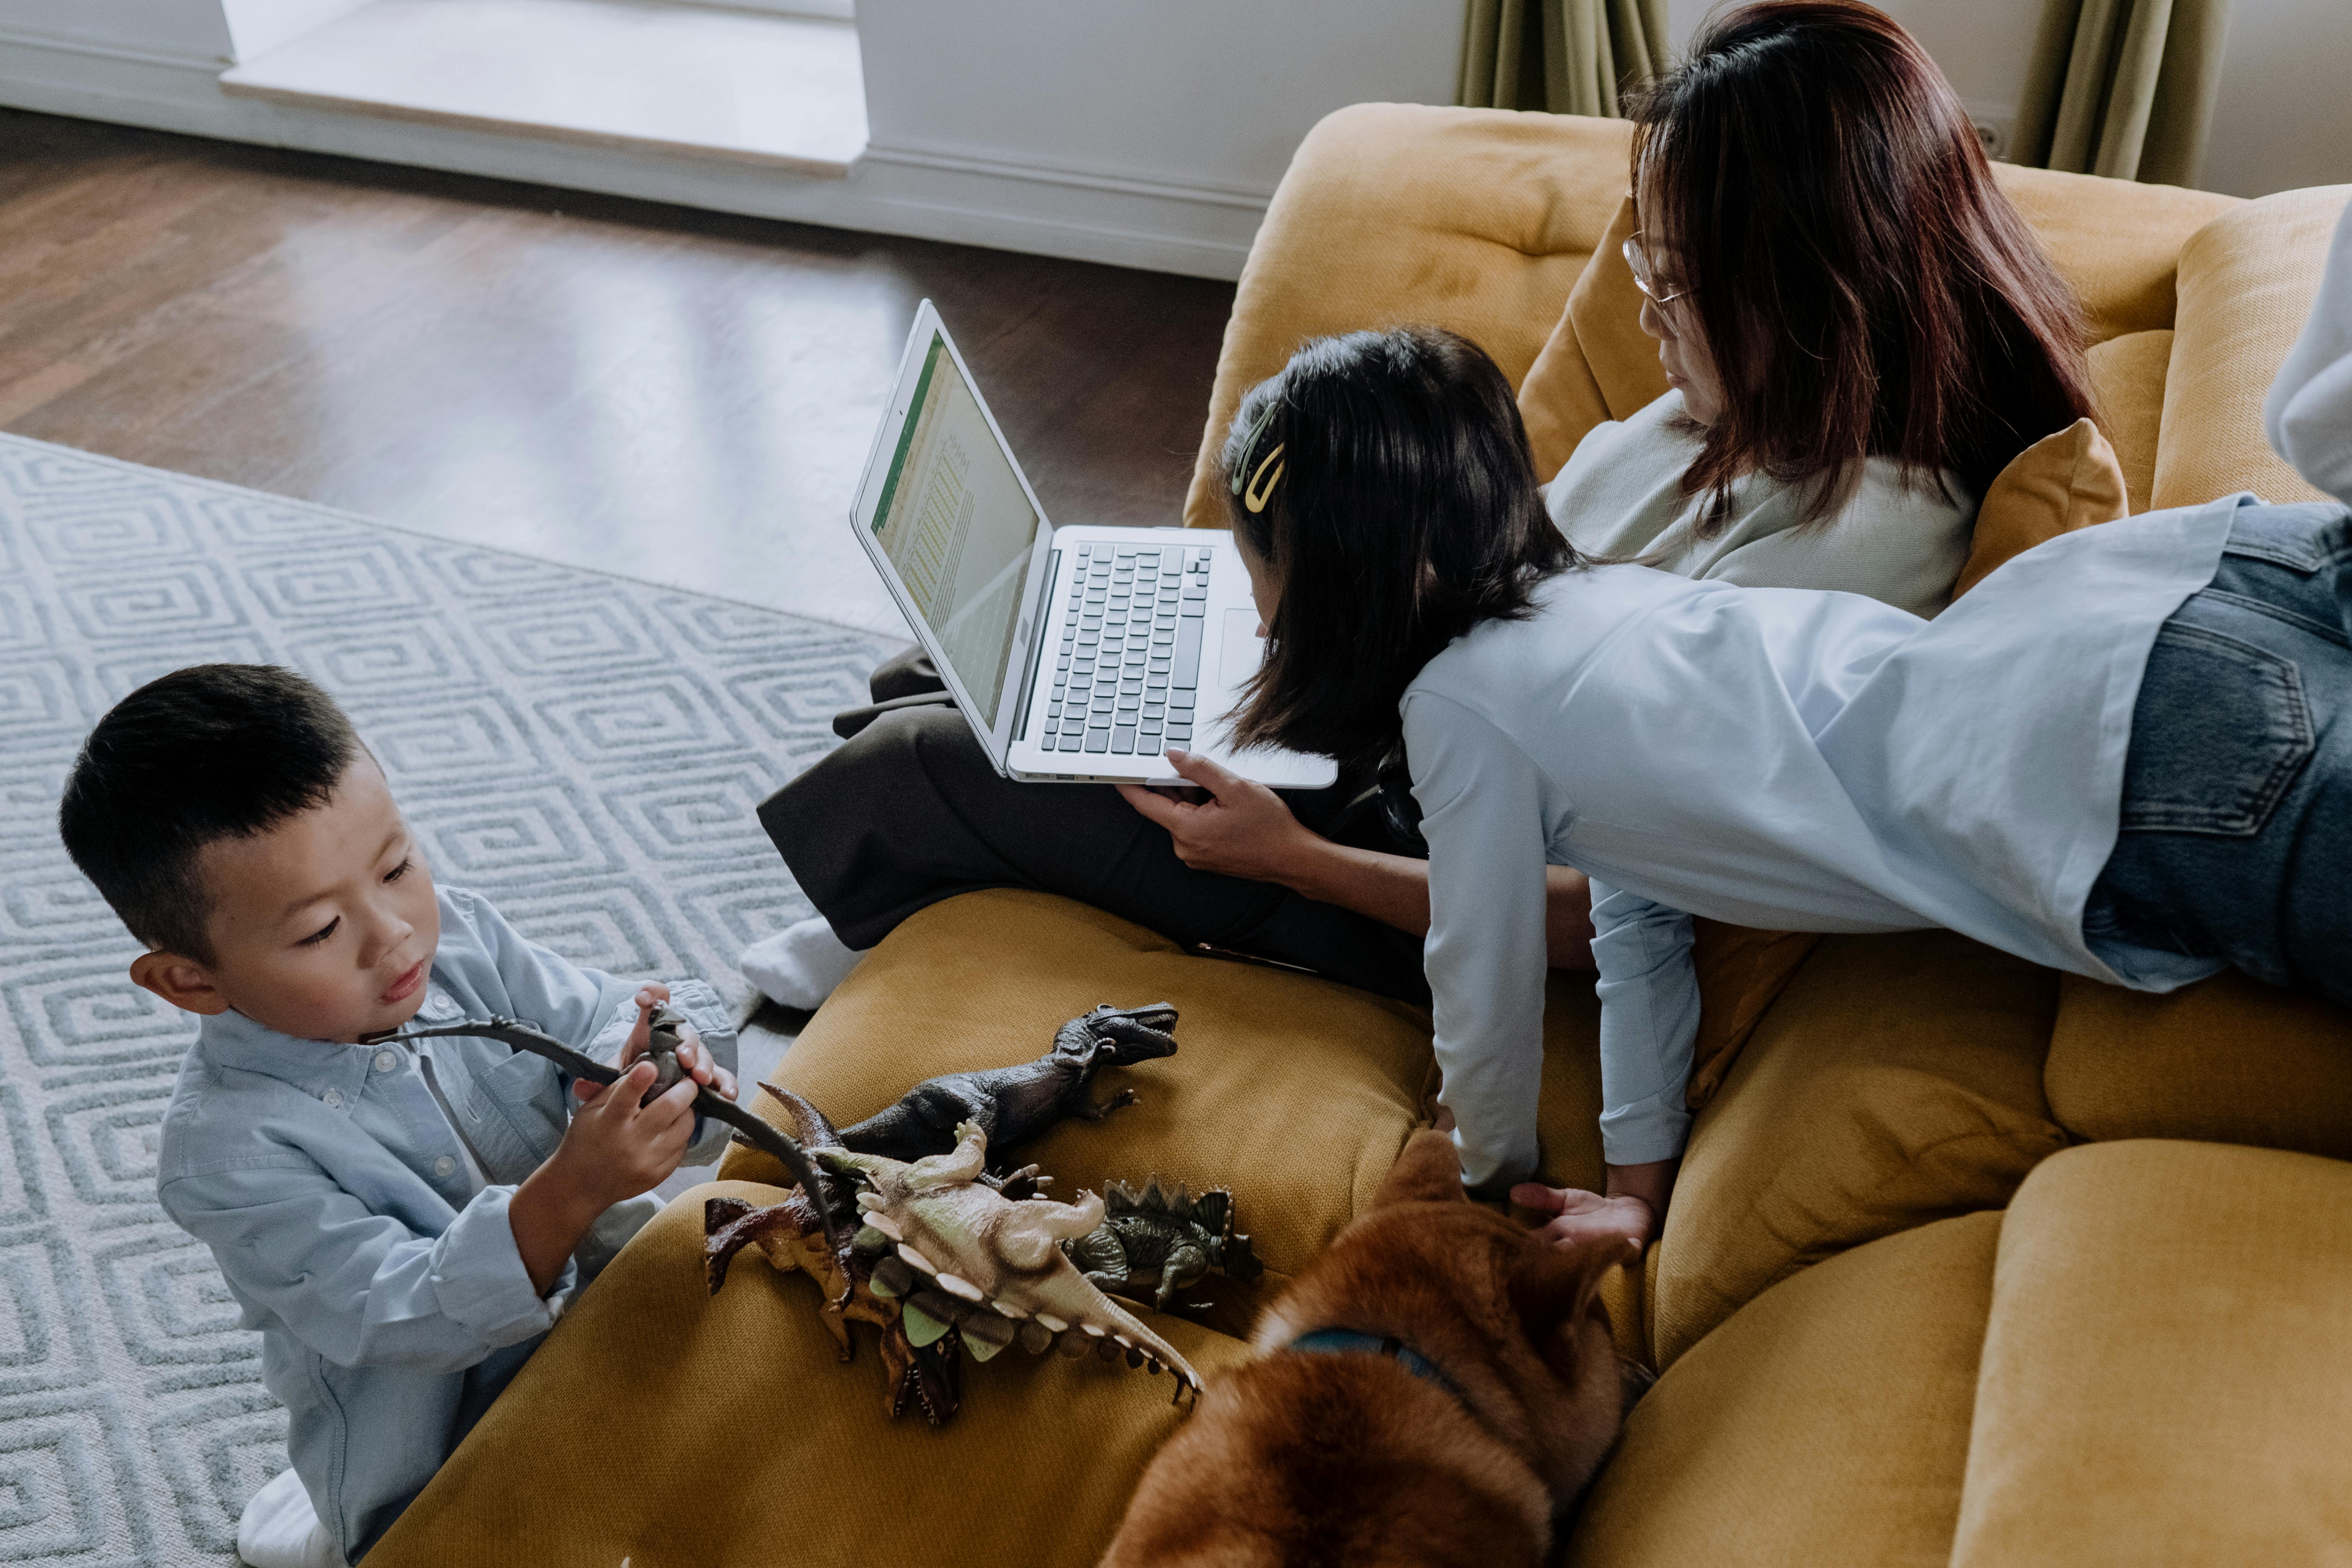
(1897, 1080)
(1826, 1426)
(2128, 374)
(2167, 1362)
(665, 1425)
(1477, 220)
(2246, 282)
(2229, 1059)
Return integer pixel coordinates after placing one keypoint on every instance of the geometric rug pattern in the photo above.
(584, 750)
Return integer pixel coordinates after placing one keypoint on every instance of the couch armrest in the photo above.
(1473, 219)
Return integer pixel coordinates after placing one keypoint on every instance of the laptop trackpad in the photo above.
(1239, 649)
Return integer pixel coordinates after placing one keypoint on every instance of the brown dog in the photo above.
(1468, 1394)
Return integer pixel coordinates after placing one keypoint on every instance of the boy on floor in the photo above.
(402, 1226)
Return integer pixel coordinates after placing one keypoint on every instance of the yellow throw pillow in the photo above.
(2059, 484)
(1598, 363)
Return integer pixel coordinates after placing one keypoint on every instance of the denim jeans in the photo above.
(2236, 832)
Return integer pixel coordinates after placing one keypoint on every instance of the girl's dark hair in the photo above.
(1863, 287)
(1398, 510)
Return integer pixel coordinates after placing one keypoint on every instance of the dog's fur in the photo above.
(1316, 1460)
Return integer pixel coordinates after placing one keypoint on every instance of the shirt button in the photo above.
(333, 1099)
(386, 1059)
(443, 1165)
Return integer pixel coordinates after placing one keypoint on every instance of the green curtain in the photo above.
(2122, 87)
(1571, 57)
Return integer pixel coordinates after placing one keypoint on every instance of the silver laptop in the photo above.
(1078, 654)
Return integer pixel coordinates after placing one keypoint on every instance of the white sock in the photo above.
(799, 965)
(280, 1529)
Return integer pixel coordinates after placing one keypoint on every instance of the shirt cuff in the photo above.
(1646, 1129)
(1487, 1168)
(479, 1278)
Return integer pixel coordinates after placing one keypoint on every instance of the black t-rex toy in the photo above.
(1009, 1104)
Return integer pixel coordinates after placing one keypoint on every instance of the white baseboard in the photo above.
(925, 193)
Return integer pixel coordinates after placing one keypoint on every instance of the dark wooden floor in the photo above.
(670, 394)
(665, 392)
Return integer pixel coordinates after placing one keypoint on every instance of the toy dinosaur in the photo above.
(662, 1047)
(944, 1262)
(1009, 1104)
(1154, 1242)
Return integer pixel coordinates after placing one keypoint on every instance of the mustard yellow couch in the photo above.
(1969, 1263)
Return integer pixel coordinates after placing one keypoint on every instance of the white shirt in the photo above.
(1621, 495)
(1774, 757)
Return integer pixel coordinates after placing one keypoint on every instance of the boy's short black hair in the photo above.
(212, 752)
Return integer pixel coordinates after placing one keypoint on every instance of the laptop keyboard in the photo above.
(1130, 661)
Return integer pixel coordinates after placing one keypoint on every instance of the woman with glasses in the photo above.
(1858, 332)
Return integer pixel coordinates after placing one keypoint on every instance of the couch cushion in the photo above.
(2128, 374)
(2246, 283)
(1598, 363)
(2230, 1060)
(2167, 1362)
(1477, 220)
(762, 1449)
(1897, 1081)
(1826, 1423)
(1295, 1092)
(2115, 240)
(2066, 480)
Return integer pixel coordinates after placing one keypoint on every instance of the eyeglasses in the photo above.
(1638, 260)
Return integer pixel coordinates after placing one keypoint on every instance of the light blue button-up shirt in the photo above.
(1772, 757)
(334, 1195)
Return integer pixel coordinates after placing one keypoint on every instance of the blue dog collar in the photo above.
(1352, 1342)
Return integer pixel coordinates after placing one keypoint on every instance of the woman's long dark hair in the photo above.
(1863, 287)
(1395, 507)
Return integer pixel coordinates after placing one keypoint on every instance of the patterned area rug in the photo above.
(585, 751)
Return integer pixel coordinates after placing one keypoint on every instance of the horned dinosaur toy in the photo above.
(662, 1047)
(1154, 1242)
(944, 1262)
(1009, 1104)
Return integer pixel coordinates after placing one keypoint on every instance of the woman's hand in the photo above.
(1243, 829)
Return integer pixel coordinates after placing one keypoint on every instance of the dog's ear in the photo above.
(1554, 1286)
(1429, 1171)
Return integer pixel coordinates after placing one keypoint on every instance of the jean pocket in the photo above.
(2220, 731)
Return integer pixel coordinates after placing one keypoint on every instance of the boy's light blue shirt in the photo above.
(333, 1193)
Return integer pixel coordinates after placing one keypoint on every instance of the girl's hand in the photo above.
(1243, 829)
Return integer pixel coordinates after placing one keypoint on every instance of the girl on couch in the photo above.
(1858, 331)
(2126, 754)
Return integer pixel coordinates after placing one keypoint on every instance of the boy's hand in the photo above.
(615, 1148)
(693, 1057)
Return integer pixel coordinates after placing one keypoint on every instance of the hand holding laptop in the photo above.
(1241, 830)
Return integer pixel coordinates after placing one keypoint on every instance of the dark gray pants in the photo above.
(909, 810)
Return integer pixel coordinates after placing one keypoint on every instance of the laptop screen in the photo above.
(957, 527)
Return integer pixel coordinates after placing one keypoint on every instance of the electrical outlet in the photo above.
(1994, 132)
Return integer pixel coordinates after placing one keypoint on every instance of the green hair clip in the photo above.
(1256, 498)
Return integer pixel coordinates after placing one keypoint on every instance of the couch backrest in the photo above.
(1483, 221)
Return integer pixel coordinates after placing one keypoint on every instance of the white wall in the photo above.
(2283, 116)
(1213, 94)
(192, 30)
(257, 26)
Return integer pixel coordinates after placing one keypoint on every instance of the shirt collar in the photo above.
(232, 1040)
